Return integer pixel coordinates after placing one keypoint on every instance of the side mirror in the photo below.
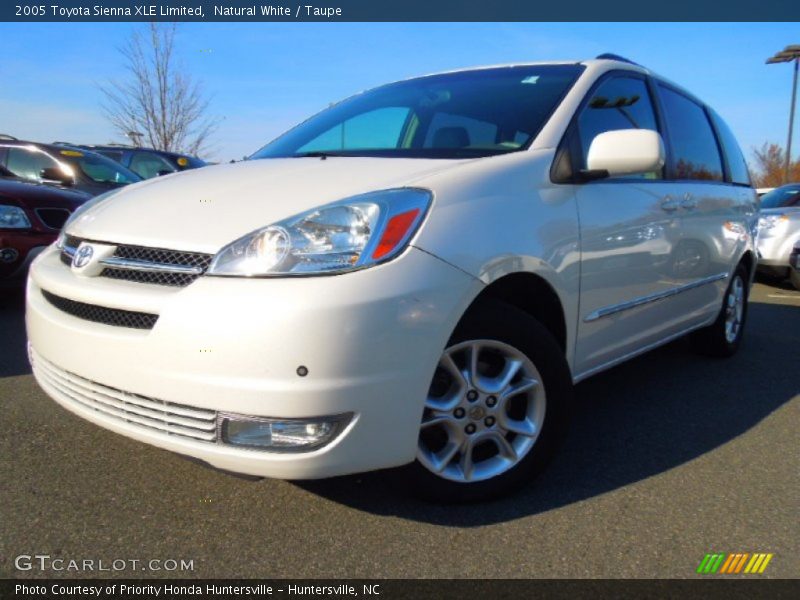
(626, 152)
(56, 174)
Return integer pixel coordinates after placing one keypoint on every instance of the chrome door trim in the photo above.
(613, 363)
(628, 304)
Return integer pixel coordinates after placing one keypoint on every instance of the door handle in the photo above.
(689, 202)
(669, 204)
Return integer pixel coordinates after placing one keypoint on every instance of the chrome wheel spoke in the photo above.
(524, 427)
(504, 447)
(466, 463)
(524, 385)
(443, 458)
(436, 420)
(448, 364)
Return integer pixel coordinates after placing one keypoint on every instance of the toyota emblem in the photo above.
(82, 257)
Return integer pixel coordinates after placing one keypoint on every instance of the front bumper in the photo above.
(370, 341)
(774, 250)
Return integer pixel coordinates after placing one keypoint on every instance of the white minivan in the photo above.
(415, 276)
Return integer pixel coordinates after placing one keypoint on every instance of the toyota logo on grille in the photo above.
(82, 257)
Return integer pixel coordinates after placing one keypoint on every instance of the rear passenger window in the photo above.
(695, 154)
(619, 103)
(736, 162)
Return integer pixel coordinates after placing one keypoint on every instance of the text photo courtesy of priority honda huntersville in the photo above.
(415, 277)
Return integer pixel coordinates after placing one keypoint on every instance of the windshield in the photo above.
(99, 169)
(455, 115)
(788, 195)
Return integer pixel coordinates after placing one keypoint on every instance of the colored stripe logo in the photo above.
(731, 564)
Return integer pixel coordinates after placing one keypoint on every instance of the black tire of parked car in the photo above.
(711, 340)
(794, 278)
(495, 320)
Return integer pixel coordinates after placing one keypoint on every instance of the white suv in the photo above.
(415, 276)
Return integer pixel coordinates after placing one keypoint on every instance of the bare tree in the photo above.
(158, 99)
(769, 167)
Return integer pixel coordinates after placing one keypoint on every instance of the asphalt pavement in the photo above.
(671, 456)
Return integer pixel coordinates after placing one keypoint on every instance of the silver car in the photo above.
(778, 229)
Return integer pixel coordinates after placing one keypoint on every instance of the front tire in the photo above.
(723, 337)
(496, 409)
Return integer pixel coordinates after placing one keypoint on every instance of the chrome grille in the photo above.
(143, 264)
(125, 407)
(102, 314)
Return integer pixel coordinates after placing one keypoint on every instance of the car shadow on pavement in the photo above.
(13, 355)
(635, 421)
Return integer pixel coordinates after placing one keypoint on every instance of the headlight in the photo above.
(13, 217)
(350, 234)
(772, 221)
(80, 211)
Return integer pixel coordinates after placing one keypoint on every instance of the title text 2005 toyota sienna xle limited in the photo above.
(415, 276)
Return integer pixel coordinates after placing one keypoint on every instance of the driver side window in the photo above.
(618, 103)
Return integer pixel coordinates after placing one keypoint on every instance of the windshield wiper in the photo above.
(323, 154)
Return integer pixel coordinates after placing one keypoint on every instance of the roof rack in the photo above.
(5, 136)
(64, 144)
(617, 57)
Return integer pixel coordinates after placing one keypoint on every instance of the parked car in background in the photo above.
(778, 229)
(147, 162)
(31, 215)
(794, 266)
(415, 276)
(763, 190)
(67, 166)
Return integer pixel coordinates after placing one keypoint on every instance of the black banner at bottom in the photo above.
(389, 589)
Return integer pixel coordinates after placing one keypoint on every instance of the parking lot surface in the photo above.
(671, 456)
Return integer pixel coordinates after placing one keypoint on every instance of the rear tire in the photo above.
(723, 337)
(496, 411)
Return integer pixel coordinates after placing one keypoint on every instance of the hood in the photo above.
(37, 195)
(788, 210)
(202, 210)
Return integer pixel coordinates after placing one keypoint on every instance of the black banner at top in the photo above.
(398, 10)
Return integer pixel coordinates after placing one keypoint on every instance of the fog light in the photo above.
(281, 435)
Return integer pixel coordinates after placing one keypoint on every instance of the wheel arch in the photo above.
(532, 294)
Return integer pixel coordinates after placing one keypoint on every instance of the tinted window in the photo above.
(736, 161)
(695, 154)
(788, 195)
(454, 115)
(112, 154)
(28, 163)
(457, 131)
(619, 103)
(379, 128)
(98, 168)
(149, 165)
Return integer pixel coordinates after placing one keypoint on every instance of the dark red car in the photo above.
(31, 216)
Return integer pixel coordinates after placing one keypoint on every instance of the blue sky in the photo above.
(264, 77)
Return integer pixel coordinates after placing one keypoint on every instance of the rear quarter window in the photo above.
(736, 162)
